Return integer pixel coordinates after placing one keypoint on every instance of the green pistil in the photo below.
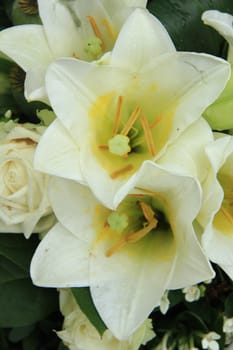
(117, 222)
(93, 46)
(119, 145)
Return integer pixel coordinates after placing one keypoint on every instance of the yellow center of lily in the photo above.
(125, 133)
(136, 217)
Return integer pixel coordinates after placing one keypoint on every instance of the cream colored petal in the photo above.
(61, 26)
(185, 155)
(142, 39)
(61, 260)
(186, 84)
(222, 22)
(128, 285)
(26, 45)
(57, 154)
(74, 206)
(34, 85)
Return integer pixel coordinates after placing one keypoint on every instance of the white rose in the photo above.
(79, 334)
(24, 205)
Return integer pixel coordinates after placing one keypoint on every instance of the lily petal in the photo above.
(69, 198)
(61, 30)
(62, 159)
(220, 21)
(18, 42)
(186, 156)
(34, 88)
(56, 254)
(131, 282)
(142, 36)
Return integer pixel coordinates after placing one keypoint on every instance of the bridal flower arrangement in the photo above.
(116, 166)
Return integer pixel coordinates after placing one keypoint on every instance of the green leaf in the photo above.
(193, 321)
(229, 306)
(22, 304)
(19, 333)
(175, 297)
(10, 271)
(84, 300)
(18, 251)
(3, 340)
(32, 342)
(62, 347)
(182, 19)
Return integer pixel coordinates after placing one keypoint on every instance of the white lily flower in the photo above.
(113, 117)
(81, 29)
(79, 334)
(128, 256)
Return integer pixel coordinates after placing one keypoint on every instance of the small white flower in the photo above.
(191, 293)
(209, 341)
(164, 303)
(228, 325)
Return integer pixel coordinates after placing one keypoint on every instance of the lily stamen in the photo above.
(130, 122)
(109, 28)
(132, 238)
(96, 30)
(148, 135)
(156, 121)
(118, 115)
(121, 171)
(147, 211)
(227, 215)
